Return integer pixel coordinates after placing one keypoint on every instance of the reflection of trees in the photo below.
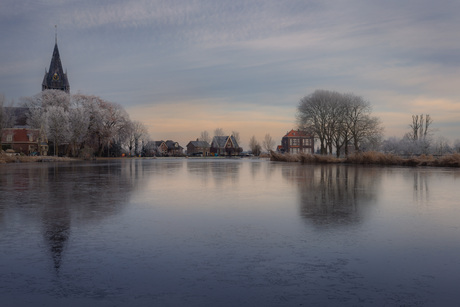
(420, 185)
(64, 194)
(255, 168)
(333, 194)
(222, 172)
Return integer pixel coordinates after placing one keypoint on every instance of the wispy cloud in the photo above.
(263, 54)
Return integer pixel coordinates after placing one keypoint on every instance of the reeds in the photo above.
(4, 158)
(371, 158)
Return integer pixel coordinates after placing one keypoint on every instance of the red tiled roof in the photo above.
(296, 133)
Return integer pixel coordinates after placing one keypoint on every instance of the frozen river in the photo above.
(216, 232)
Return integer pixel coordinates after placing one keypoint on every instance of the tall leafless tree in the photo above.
(236, 135)
(219, 132)
(205, 137)
(255, 146)
(338, 120)
(268, 142)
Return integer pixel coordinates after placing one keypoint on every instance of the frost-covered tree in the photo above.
(139, 132)
(442, 146)
(79, 120)
(91, 123)
(54, 98)
(219, 132)
(254, 146)
(57, 126)
(236, 136)
(205, 137)
(456, 146)
(268, 142)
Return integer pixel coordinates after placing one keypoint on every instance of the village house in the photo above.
(174, 149)
(24, 140)
(225, 146)
(297, 141)
(197, 147)
(160, 148)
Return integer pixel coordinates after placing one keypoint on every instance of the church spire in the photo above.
(55, 78)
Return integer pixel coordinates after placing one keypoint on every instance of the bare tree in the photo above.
(138, 133)
(205, 137)
(86, 122)
(338, 120)
(78, 129)
(419, 129)
(456, 146)
(442, 146)
(55, 98)
(420, 133)
(58, 126)
(219, 132)
(315, 114)
(268, 142)
(255, 146)
(236, 135)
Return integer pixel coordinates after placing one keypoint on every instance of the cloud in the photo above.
(220, 56)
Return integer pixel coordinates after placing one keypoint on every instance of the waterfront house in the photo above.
(225, 146)
(198, 148)
(24, 140)
(297, 141)
(174, 149)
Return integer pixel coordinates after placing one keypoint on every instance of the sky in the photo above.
(182, 67)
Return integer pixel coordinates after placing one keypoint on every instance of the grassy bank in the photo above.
(372, 157)
(4, 158)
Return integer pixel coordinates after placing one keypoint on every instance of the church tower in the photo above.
(55, 78)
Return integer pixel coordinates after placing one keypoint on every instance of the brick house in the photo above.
(174, 149)
(25, 140)
(225, 146)
(296, 141)
(160, 148)
(198, 148)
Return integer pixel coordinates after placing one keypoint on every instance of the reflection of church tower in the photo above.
(57, 232)
(55, 78)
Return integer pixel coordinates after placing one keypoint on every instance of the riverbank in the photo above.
(4, 158)
(372, 157)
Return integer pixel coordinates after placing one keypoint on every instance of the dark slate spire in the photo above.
(55, 78)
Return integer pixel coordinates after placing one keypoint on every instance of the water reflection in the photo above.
(59, 195)
(334, 194)
(221, 173)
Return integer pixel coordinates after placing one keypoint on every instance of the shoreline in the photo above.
(365, 158)
(371, 158)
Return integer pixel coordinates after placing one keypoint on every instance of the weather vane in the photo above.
(55, 33)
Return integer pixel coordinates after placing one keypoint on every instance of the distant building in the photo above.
(174, 149)
(160, 148)
(55, 78)
(297, 141)
(225, 146)
(198, 148)
(24, 140)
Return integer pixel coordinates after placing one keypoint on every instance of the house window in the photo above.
(9, 138)
(294, 142)
(31, 137)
